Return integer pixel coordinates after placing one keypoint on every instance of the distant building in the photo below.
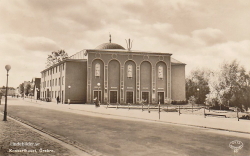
(113, 74)
(11, 91)
(35, 86)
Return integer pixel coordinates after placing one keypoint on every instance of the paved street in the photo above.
(117, 136)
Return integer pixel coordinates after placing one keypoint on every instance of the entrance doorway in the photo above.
(161, 97)
(145, 97)
(129, 97)
(113, 97)
(96, 95)
(48, 95)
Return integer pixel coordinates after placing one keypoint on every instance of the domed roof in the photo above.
(109, 46)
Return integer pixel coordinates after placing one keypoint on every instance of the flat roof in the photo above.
(125, 51)
(66, 60)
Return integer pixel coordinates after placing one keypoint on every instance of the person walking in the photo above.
(57, 99)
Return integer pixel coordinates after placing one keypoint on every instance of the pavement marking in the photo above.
(68, 146)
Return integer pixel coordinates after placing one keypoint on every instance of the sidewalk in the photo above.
(228, 124)
(16, 139)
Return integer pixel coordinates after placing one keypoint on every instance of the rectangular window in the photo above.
(62, 79)
(50, 83)
(59, 82)
(56, 82)
(56, 69)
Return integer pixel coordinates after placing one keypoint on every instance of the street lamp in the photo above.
(69, 95)
(7, 67)
(31, 94)
(98, 85)
(198, 95)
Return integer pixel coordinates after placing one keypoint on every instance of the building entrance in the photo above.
(161, 97)
(48, 95)
(130, 97)
(113, 96)
(98, 96)
(145, 97)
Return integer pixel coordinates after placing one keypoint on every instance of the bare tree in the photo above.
(56, 57)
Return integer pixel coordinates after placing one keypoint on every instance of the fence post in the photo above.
(237, 113)
(179, 111)
(204, 112)
(192, 108)
(159, 110)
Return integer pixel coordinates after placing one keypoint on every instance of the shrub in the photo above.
(217, 107)
(179, 102)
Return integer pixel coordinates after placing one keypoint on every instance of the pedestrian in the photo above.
(57, 99)
(95, 102)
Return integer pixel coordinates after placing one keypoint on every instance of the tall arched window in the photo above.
(160, 72)
(97, 69)
(130, 71)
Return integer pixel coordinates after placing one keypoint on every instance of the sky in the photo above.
(200, 33)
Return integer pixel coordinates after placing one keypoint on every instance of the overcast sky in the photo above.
(200, 33)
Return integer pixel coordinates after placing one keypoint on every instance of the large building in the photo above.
(114, 74)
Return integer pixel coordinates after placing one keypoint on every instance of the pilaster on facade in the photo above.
(138, 87)
(105, 83)
(153, 89)
(121, 84)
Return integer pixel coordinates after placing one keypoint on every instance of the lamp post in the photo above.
(69, 95)
(31, 94)
(98, 85)
(198, 95)
(7, 67)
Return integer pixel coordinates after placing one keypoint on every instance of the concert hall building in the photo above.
(114, 74)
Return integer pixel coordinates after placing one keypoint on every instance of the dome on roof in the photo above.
(109, 46)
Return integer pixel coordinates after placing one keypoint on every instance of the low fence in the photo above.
(180, 109)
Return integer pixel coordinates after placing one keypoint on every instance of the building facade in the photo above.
(65, 80)
(113, 74)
